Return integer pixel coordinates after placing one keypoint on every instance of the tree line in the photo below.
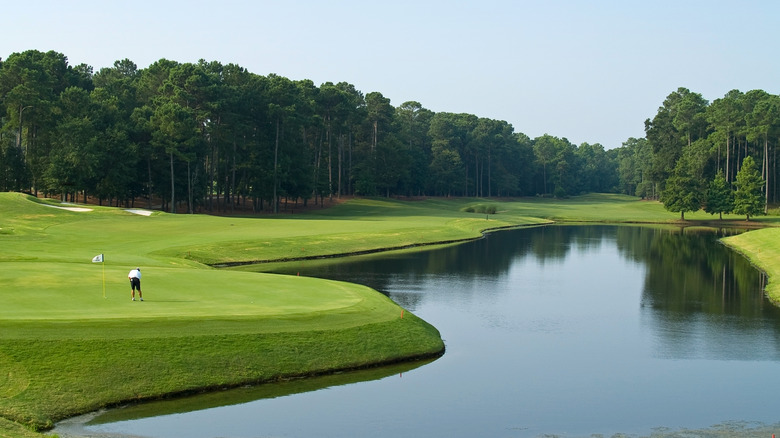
(208, 136)
(719, 156)
(212, 136)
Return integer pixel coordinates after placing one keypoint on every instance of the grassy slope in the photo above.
(66, 349)
(9, 429)
(762, 247)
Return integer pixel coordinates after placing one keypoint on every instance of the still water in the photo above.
(560, 330)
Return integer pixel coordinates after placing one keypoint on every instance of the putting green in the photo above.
(76, 292)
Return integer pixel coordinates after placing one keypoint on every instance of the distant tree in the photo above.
(445, 166)
(174, 133)
(74, 156)
(679, 122)
(114, 100)
(598, 172)
(720, 197)
(451, 149)
(634, 161)
(762, 123)
(544, 152)
(30, 86)
(14, 174)
(682, 192)
(725, 116)
(413, 122)
(748, 198)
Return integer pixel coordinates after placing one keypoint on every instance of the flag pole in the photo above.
(104, 276)
(102, 260)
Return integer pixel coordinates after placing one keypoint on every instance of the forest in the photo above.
(207, 136)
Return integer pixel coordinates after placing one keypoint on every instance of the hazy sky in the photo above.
(590, 71)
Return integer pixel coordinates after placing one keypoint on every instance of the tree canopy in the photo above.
(690, 141)
(210, 136)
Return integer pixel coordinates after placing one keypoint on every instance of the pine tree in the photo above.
(683, 192)
(720, 197)
(748, 198)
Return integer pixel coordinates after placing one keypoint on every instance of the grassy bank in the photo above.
(69, 344)
(762, 247)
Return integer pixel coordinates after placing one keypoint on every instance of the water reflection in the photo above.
(569, 330)
(687, 272)
(246, 394)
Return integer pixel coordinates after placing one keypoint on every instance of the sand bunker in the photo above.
(79, 209)
(141, 212)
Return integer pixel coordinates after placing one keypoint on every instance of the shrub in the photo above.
(480, 208)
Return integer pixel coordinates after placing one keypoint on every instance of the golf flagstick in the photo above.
(100, 259)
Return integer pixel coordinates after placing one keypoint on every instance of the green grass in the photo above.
(66, 349)
(762, 247)
(10, 429)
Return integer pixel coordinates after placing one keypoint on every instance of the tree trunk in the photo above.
(276, 157)
(490, 159)
(766, 172)
(173, 186)
(774, 172)
(330, 164)
(376, 134)
(728, 149)
(340, 154)
(233, 180)
(149, 185)
(317, 160)
(210, 170)
(477, 191)
(189, 189)
(349, 179)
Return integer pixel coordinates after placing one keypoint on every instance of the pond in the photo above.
(556, 330)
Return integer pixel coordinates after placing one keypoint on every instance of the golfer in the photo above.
(135, 283)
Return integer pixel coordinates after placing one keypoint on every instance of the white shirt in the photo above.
(135, 273)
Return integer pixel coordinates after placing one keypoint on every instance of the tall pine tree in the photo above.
(683, 191)
(720, 197)
(748, 198)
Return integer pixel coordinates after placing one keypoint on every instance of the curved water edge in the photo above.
(561, 352)
(78, 426)
(423, 245)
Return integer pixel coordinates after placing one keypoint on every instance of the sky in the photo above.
(590, 71)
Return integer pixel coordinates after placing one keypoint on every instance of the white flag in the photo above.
(97, 259)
